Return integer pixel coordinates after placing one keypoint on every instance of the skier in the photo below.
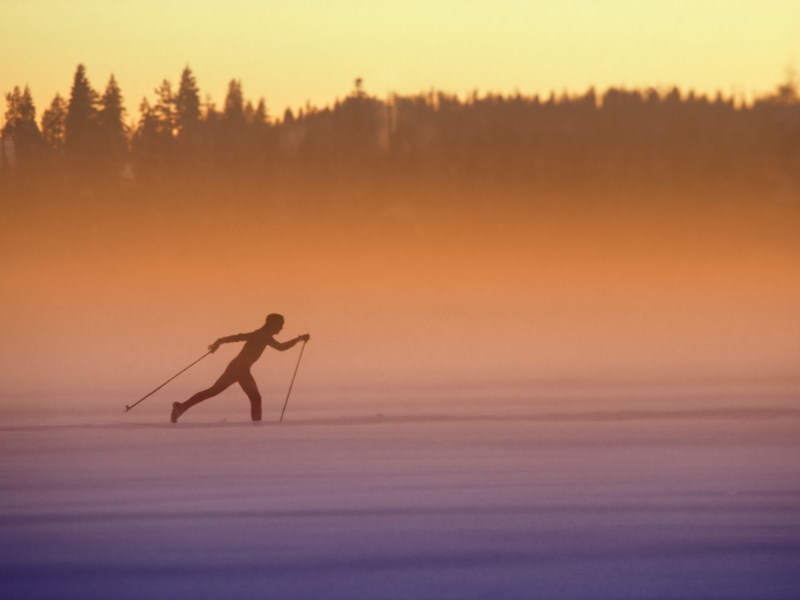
(238, 371)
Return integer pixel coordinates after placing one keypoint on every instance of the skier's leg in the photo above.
(224, 381)
(251, 389)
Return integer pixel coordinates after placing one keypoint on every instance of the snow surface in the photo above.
(684, 503)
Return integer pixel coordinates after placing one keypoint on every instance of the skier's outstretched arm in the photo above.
(282, 346)
(239, 337)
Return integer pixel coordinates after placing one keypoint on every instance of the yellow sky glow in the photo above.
(291, 52)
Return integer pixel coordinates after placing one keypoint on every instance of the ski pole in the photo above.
(127, 407)
(297, 366)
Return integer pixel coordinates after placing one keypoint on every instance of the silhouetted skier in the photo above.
(238, 371)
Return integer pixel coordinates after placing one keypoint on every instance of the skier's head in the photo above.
(274, 322)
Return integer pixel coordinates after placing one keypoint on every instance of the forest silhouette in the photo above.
(619, 138)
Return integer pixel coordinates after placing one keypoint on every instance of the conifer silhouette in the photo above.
(80, 133)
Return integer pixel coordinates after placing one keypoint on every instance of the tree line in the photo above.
(618, 136)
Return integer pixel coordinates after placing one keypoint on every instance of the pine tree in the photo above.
(233, 130)
(234, 112)
(111, 128)
(146, 141)
(165, 109)
(154, 142)
(188, 118)
(261, 117)
(54, 121)
(80, 125)
(11, 117)
(20, 126)
(187, 105)
(260, 144)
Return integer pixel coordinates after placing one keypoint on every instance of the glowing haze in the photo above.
(295, 52)
(120, 295)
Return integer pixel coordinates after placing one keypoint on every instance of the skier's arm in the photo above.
(290, 344)
(239, 337)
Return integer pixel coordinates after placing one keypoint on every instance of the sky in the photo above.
(299, 51)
